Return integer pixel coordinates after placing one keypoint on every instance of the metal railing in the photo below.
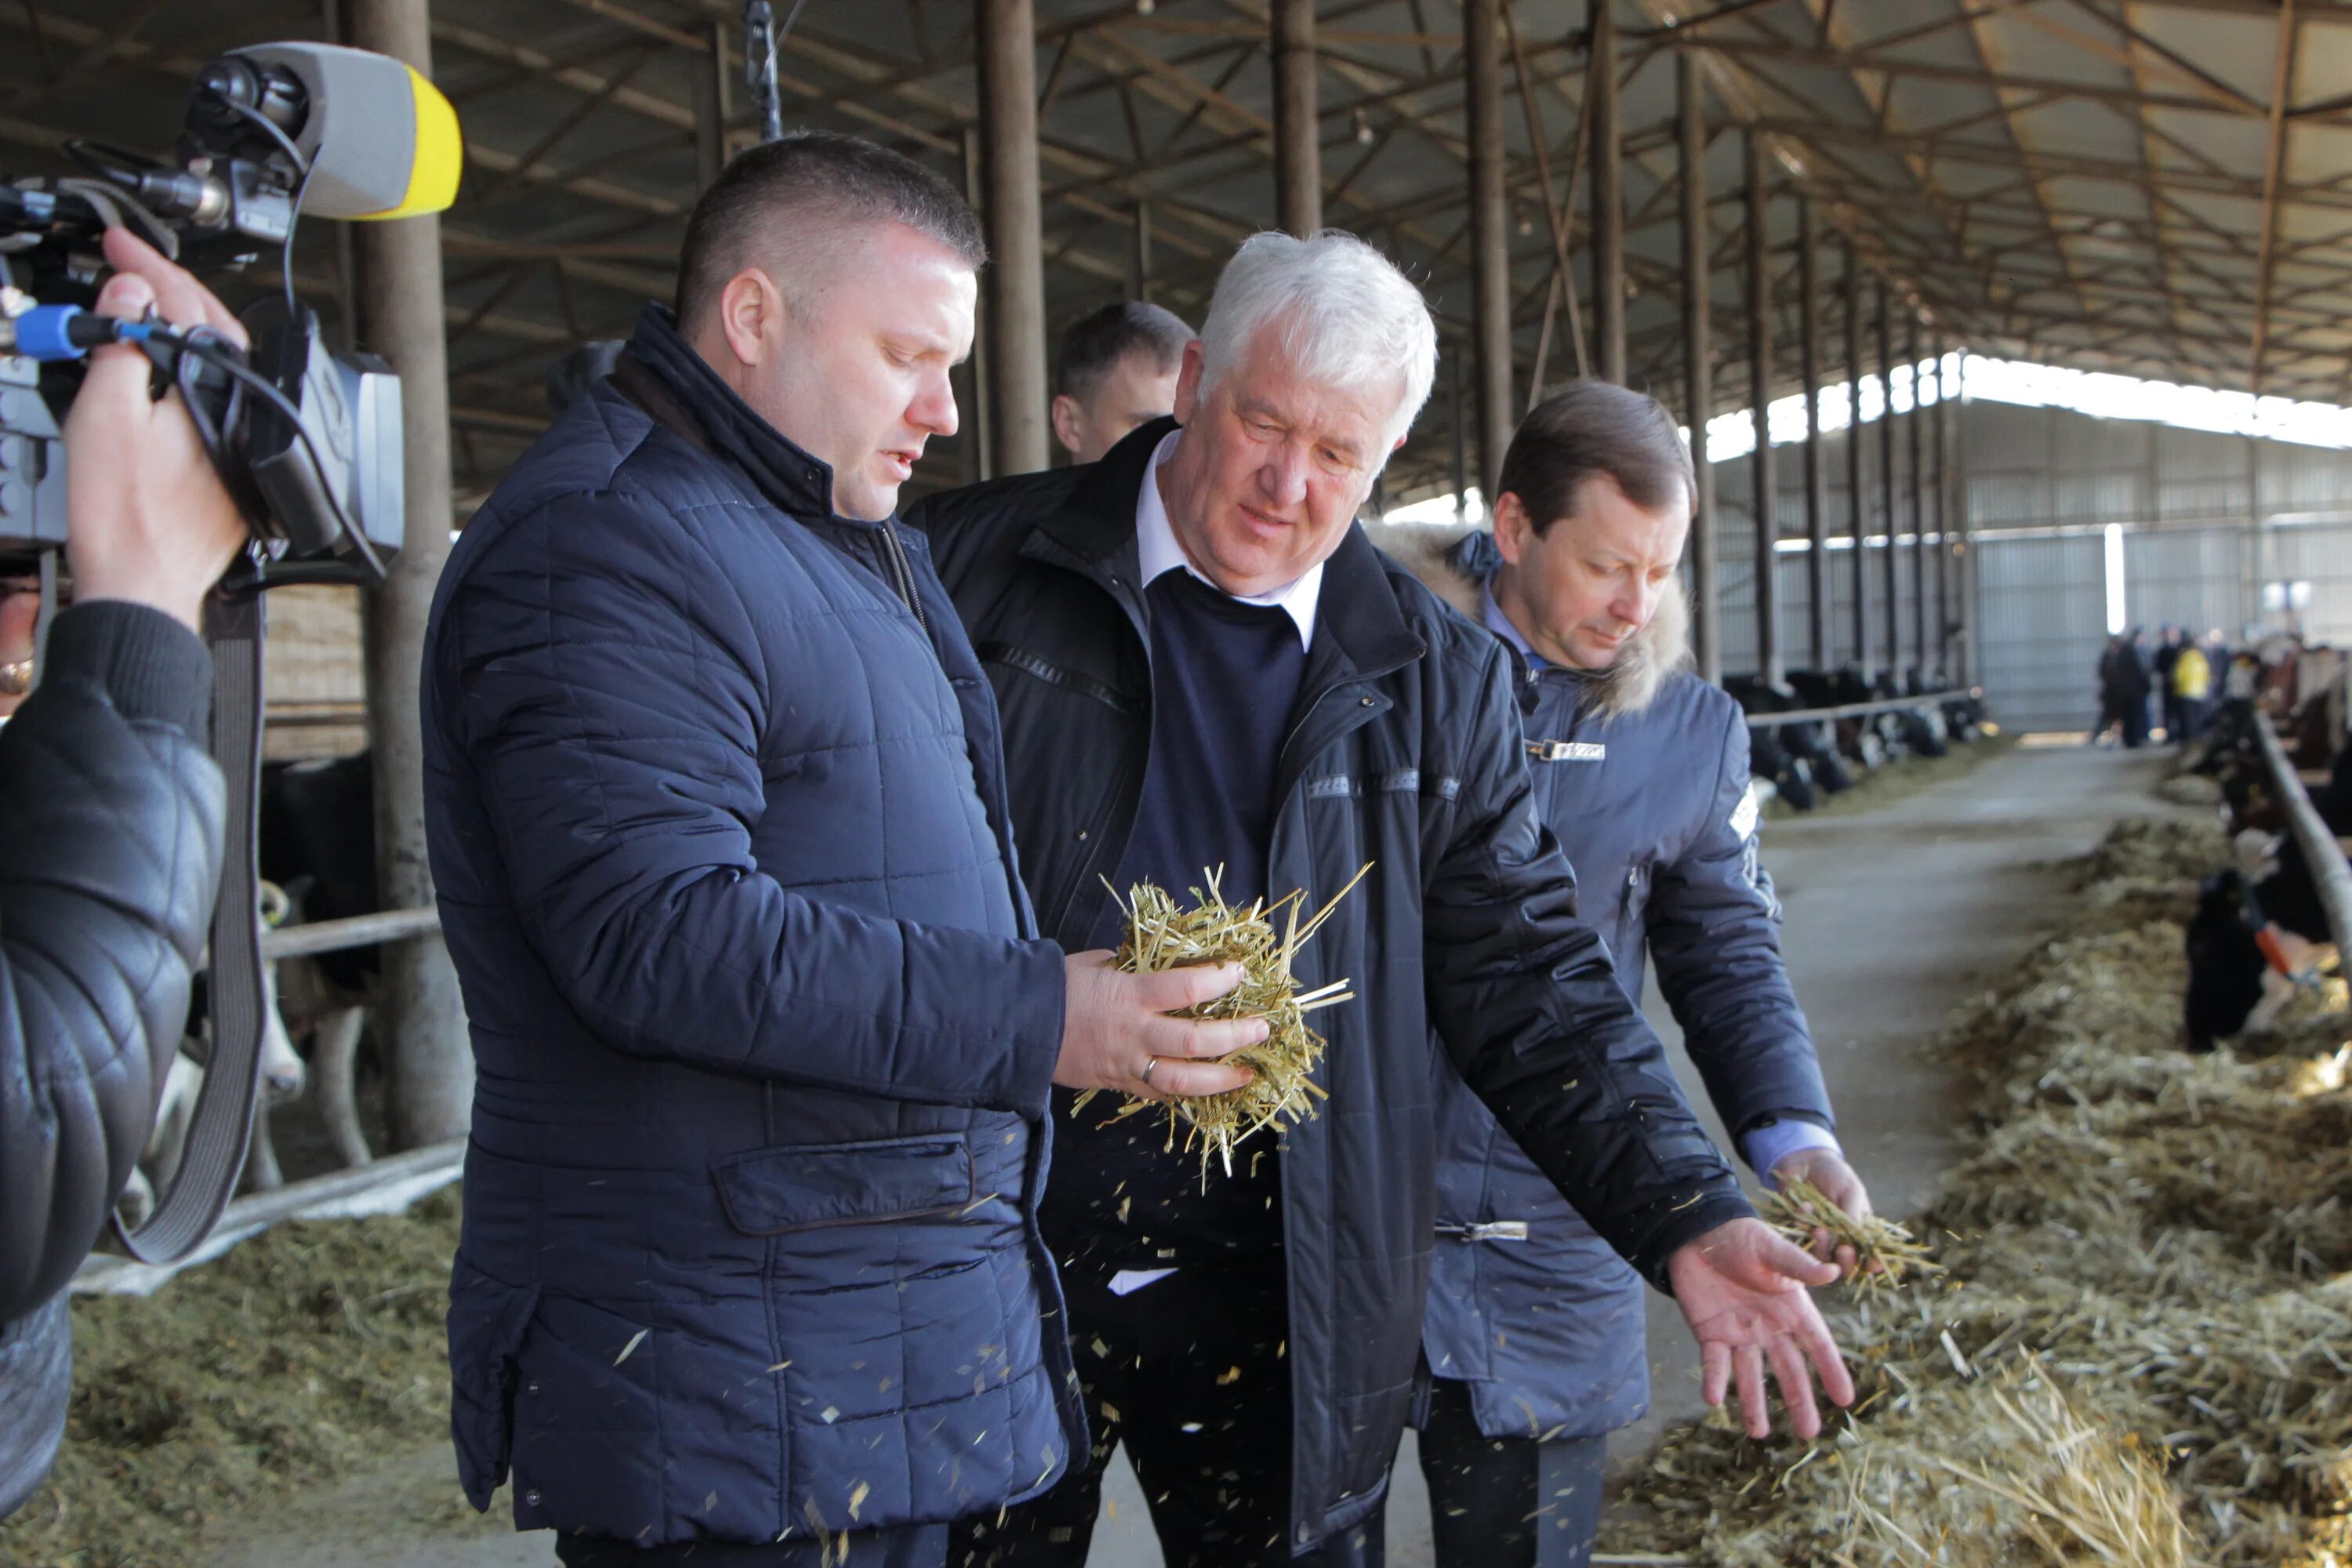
(358, 930)
(2330, 873)
(1857, 710)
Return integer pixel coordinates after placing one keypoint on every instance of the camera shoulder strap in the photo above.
(218, 1132)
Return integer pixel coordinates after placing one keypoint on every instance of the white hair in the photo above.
(1340, 311)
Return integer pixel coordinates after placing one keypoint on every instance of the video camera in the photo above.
(307, 440)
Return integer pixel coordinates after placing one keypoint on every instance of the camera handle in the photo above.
(222, 1125)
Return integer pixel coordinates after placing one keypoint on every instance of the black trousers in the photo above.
(1507, 1502)
(908, 1546)
(1191, 1373)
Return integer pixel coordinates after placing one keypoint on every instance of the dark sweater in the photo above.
(1224, 679)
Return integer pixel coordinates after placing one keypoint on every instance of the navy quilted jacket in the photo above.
(762, 1030)
(1548, 1331)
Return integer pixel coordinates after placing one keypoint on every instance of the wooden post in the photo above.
(1763, 479)
(1490, 259)
(1608, 198)
(420, 1014)
(1297, 125)
(1015, 280)
(1821, 639)
(1699, 363)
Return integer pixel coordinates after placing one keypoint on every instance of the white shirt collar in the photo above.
(1157, 553)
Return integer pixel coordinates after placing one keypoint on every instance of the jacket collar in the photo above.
(796, 482)
(1625, 686)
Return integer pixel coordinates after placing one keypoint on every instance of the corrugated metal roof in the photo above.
(2111, 183)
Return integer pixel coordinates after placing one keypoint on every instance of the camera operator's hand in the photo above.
(147, 517)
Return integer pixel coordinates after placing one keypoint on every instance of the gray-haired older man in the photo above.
(1201, 661)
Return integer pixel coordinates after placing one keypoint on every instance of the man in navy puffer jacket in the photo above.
(1535, 1327)
(762, 1026)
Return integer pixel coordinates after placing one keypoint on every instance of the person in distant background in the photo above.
(2188, 689)
(1116, 369)
(2169, 640)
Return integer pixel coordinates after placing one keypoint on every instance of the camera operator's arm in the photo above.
(110, 811)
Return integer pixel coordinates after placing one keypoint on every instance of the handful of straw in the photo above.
(1883, 1251)
(1282, 1085)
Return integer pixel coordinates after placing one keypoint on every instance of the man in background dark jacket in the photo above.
(110, 821)
(1535, 1333)
(1203, 662)
(763, 1026)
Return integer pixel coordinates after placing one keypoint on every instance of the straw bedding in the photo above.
(2140, 1348)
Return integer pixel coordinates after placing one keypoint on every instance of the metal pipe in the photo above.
(1856, 710)
(1698, 364)
(1015, 280)
(1297, 125)
(1945, 559)
(1894, 576)
(709, 90)
(1490, 256)
(977, 436)
(1765, 501)
(2330, 873)
(1138, 255)
(1461, 439)
(1971, 662)
(1608, 198)
(1917, 429)
(1809, 370)
(420, 1012)
(1857, 504)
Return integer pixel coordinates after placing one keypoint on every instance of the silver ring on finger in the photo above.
(1149, 1063)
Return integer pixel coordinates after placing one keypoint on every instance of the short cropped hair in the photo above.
(1338, 308)
(1590, 427)
(1093, 345)
(789, 205)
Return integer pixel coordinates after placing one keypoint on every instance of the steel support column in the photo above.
(1857, 502)
(1297, 127)
(1608, 199)
(1893, 580)
(709, 86)
(1765, 483)
(1947, 562)
(1822, 637)
(974, 395)
(419, 1013)
(1698, 364)
(1461, 435)
(1490, 260)
(1138, 255)
(1015, 282)
(1917, 432)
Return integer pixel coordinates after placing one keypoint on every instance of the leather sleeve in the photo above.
(111, 833)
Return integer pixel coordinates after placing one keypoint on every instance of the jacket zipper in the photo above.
(903, 570)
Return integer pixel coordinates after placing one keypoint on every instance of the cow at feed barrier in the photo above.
(282, 1079)
(318, 842)
(2260, 932)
